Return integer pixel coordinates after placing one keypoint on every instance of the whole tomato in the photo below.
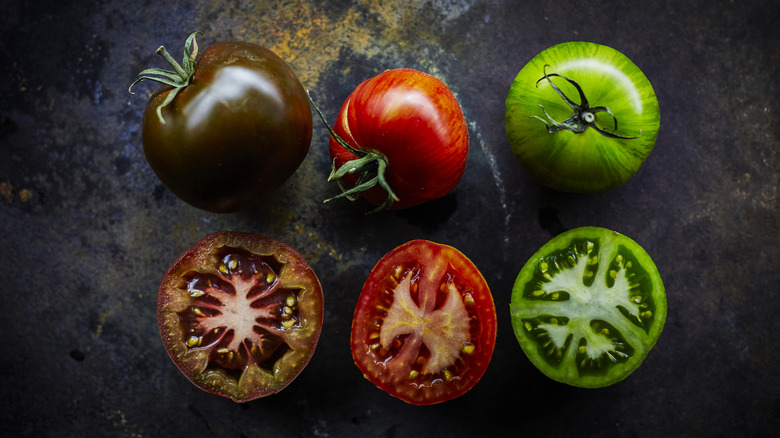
(227, 127)
(400, 140)
(562, 114)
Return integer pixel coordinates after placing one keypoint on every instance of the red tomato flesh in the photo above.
(425, 325)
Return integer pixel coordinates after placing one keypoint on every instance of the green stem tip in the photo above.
(179, 78)
(370, 166)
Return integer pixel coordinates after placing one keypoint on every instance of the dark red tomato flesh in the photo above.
(425, 324)
(239, 130)
(240, 314)
(415, 121)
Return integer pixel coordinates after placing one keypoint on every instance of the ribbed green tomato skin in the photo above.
(582, 162)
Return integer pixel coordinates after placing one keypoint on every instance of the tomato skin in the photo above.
(234, 134)
(416, 122)
(431, 269)
(584, 162)
(245, 378)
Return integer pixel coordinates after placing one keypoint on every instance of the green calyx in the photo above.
(584, 115)
(370, 165)
(178, 78)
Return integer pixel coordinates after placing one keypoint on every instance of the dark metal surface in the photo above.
(88, 231)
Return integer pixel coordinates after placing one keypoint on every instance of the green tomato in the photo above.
(581, 117)
(588, 307)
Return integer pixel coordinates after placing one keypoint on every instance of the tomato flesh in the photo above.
(416, 122)
(240, 314)
(425, 325)
(588, 307)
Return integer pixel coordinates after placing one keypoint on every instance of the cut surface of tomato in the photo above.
(425, 325)
(588, 307)
(240, 314)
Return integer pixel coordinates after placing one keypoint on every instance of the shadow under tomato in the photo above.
(432, 214)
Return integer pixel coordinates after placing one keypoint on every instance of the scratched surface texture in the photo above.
(88, 230)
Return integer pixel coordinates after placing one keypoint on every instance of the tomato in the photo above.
(400, 140)
(425, 324)
(588, 307)
(240, 314)
(581, 117)
(228, 128)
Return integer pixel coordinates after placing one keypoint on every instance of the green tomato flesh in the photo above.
(589, 161)
(588, 307)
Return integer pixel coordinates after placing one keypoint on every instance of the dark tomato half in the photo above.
(240, 314)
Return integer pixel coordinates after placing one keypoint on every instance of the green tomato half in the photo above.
(588, 307)
(581, 117)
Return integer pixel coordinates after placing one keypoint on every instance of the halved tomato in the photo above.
(240, 314)
(588, 307)
(425, 324)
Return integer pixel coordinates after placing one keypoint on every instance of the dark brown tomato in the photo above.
(240, 314)
(425, 325)
(239, 130)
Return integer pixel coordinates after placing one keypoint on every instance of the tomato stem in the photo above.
(179, 78)
(584, 115)
(370, 165)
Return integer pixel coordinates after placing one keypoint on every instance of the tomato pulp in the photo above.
(424, 327)
(240, 314)
(588, 307)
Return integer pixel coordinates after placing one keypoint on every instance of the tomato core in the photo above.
(239, 315)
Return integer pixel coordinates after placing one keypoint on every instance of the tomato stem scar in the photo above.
(179, 78)
(371, 166)
(584, 115)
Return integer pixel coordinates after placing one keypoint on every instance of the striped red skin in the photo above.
(416, 122)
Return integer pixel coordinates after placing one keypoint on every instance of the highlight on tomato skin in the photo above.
(229, 126)
(408, 123)
(581, 117)
(424, 328)
(240, 314)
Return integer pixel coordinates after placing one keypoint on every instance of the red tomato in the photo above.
(413, 121)
(425, 324)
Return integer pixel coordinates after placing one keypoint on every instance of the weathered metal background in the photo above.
(88, 231)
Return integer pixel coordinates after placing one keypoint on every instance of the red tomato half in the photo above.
(412, 119)
(425, 325)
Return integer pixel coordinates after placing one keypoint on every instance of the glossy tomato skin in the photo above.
(234, 134)
(240, 314)
(583, 162)
(424, 327)
(416, 122)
